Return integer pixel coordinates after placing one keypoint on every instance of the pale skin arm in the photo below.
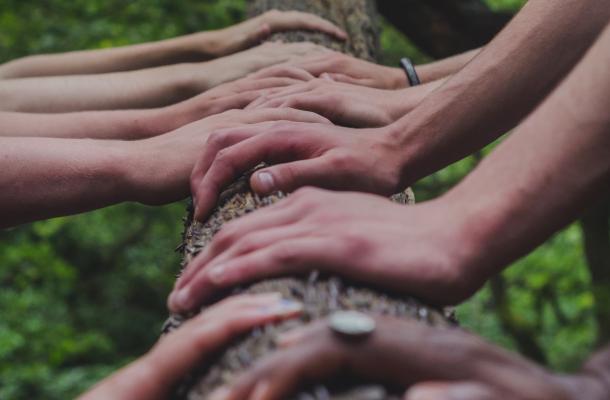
(146, 88)
(138, 124)
(199, 46)
(48, 177)
(540, 179)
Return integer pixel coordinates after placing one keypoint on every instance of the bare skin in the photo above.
(346, 69)
(429, 363)
(485, 99)
(154, 375)
(145, 88)
(500, 212)
(48, 177)
(139, 124)
(199, 46)
(347, 104)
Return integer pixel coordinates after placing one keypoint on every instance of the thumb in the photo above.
(451, 391)
(291, 176)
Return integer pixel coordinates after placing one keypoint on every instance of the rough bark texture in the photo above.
(320, 294)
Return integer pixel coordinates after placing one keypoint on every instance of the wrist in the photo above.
(397, 78)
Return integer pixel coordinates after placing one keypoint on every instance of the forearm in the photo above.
(445, 67)
(149, 88)
(190, 48)
(43, 178)
(403, 101)
(120, 124)
(500, 86)
(545, 174)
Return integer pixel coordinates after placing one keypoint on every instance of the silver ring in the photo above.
(351, 324)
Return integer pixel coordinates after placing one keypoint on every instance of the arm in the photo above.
(495, 91)
(43, 177)
(537, 181)
(137, 124)
(347, 69)
(147, 88)
(190, 48)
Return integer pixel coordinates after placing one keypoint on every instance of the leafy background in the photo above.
(81, 296)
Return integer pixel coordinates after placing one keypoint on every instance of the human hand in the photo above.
(158, 169)
(343, 68)
(332, 157)
(344, 104)
(154, 375)
(252, 31)
(228, 96)
(430, 363)
(411, 250)
(240, 64)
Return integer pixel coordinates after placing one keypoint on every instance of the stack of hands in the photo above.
(324, 119)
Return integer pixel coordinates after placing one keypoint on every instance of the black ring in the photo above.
(407, 65)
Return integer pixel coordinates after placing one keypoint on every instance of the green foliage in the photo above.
(84, 295)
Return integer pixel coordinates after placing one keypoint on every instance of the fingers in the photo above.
(233, 154)
(290, 176)
(282, 71)
(280, 374)
(343, 78)
(451, 391)
(289, 256)
(280, 114)
(185, 348)
(292, 20)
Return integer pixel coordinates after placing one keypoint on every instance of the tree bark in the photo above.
(320, 294)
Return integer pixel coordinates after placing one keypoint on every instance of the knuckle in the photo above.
(342, 161)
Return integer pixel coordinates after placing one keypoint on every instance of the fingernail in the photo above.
(265, 179)
(216, 273)
(182, 298)
(283, 307)
(221, 393)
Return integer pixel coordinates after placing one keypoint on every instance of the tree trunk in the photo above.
(320, 294)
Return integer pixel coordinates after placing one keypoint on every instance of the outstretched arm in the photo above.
(137, 124)
(48, 177)
(146, 88)
(195, 47)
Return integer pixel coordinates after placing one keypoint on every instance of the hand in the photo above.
(253, 31)
(343, 68)
(154, 375)
(228, 96)
(434, 363)
(332, 157)
(159, 168)
(411, 250)
(344, 104)
(238, 65)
